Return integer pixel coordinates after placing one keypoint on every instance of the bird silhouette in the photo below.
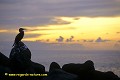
(19, 37)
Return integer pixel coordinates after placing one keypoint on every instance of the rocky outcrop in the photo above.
(98, 75)
(80, 69)
(20, 59)
(19, 62)
(56, 73)
(53, 66)
(72, 71)
(38, 68)
(4, 60)
(4, 64)
(86, 71)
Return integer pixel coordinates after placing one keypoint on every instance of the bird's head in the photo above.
(21, 29)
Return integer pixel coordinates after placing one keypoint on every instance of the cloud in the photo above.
(45, 28)
(47, 40)
(33, 35)
(3, 30)
(17, 13)
(70, 39)
(65, 46)
(59, 21)
(88, 40)
(41, 12)
(118, 32)
(60, 39)
(43, 40)
(99, 39)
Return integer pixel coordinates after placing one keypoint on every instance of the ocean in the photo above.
(103, 60)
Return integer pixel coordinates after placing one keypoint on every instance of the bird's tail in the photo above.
(13, 45)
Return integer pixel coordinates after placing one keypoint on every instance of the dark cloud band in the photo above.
(37, 12)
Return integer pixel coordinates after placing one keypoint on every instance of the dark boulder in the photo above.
(39, 68)
(89, 65)
(21, 49)
(80, 69)
(111, 75)
(56, 73)
(20, 59)
(53, 66)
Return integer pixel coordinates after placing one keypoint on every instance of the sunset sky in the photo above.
(92, 24)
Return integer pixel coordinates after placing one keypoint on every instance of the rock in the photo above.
(82, 70)
(97, 75)
(39, 68)
(22, 49)
(4, 69)
(111, 74)
(20, 58)
(4, 61)
(56, 73)
(87, 71)
(59, 74)
(53, 66)
(89, 65)
(4, 65)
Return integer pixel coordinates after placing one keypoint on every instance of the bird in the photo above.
(19, 37)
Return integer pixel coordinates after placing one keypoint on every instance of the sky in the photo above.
(62, 24)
